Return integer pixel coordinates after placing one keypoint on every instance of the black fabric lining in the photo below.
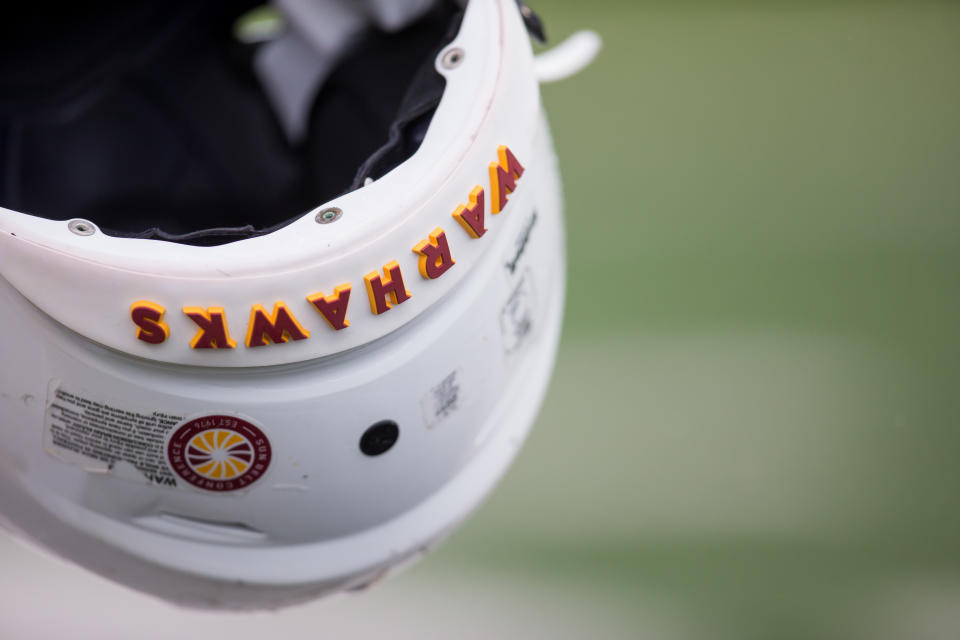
(405, 135)
(135, 143)
(70, 81)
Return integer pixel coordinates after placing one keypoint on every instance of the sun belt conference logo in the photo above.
(219, 452)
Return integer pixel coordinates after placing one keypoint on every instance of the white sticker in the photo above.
(103, 437)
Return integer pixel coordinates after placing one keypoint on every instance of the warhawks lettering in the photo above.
(385, 286)
(434, 255)
(503, 178)
(213, 333)
(148, 316)
(274, 328)
(333, 308)
(389, 286)
(470, 216)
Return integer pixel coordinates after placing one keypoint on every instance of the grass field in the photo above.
(753, 427)
(755, 416)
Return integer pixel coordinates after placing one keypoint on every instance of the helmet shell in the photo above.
(289, 466)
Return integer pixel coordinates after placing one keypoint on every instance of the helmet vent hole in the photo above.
(379, 438)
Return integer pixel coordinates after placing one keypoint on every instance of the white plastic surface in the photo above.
(88, 283)
(324, 517)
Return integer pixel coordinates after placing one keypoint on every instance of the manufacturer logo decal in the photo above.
(517, 315)
(521, 244)
(219, 453)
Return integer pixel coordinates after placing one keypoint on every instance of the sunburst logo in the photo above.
(219, 453)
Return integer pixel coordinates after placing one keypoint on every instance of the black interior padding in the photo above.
(146, 118)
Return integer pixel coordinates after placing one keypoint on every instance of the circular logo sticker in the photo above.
(219, 453)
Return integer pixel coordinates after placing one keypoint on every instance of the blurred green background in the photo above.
(752, 432)
(753, 427)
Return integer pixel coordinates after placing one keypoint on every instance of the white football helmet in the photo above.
(207, 394)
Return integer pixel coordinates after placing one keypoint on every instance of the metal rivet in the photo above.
(452, 58)
(329, 215)
(81, 227)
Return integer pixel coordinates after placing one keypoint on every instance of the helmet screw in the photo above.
(81, 227)
(329, 215)
(452, 58)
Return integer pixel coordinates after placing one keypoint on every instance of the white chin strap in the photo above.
(568, 58)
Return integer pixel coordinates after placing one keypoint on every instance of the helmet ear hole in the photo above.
(379, 438)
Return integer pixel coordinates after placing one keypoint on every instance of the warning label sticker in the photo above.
(106, 438)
